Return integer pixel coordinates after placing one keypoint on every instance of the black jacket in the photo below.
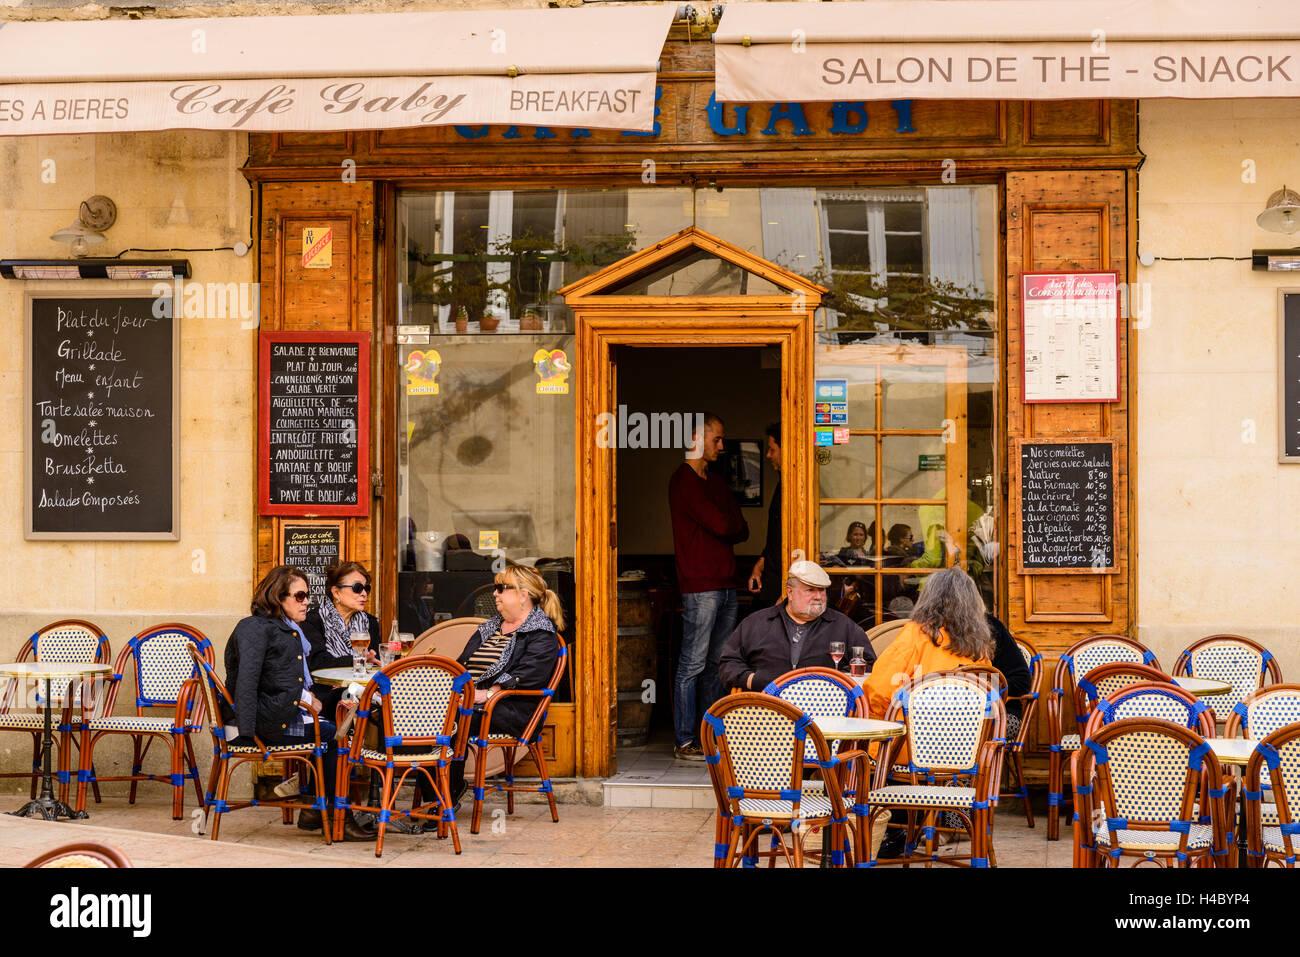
(1008, 660)
(760, 645)
(529, 667)
(264, 676)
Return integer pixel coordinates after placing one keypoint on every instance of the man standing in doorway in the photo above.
(706, 524)
(765, 578)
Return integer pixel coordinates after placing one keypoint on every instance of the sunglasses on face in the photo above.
(357, 588)
(298, 595)
(499, 587)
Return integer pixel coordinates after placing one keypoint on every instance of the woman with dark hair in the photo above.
(329, 625)
(269, 679)
(948, 629)
(861, 545)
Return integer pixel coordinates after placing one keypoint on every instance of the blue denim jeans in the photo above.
(708, 619)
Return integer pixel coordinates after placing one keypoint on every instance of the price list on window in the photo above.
(1067, 506)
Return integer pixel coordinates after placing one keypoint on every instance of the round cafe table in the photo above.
(1236, 752)
(1203, 687)
(45, 806)
(341, 678)
(853, 729)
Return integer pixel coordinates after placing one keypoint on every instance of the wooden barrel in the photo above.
(637, 661)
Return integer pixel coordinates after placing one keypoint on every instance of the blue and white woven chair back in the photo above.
(1153, 703)
(1271, 712)
(760, 744)
(163, 663)
(68, 644)
(1148, 773)
(816, 697)
(945, 722)
(1027, 653)
(1232, 662)
(1109, 687)
(1102, 652)
(209, 694)
(418, 699)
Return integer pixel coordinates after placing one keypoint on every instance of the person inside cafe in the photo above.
(765, 577)
(329, 626)
(517, 648)
(706, 525)
(948, 629)
(861, 543)
(796, 633)
(269, 679)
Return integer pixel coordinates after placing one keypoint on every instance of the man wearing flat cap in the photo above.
(796, 633)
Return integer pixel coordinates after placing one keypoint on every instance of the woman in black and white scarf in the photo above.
(329, 625)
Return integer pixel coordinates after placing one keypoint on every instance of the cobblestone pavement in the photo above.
(585, 836)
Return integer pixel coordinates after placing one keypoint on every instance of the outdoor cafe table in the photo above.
(1203, 687)
(342, 677)
(1235, 751)
(45, 806)
(853, 729)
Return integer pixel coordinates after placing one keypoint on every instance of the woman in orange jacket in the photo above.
(948, 629)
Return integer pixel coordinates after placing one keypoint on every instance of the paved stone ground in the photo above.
(584, 837)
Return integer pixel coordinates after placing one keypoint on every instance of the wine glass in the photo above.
(837, 652)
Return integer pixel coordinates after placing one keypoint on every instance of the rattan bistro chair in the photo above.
(424, 696)
(162, 665)
(1262, 713)
(447, 638)
(487, 741)
(1240, 662)
(956, 725)
(1147, 774)
(1013, 765)
(69, 641)
(755, 744)
(1102, 684)
(1145, 699)
(1274, 843)
(1075, 663)
(205, 692)
(87, 854)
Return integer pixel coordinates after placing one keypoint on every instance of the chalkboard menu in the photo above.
(101, 418)
(1288, 340)
(313, 547)
(1066, 504)
(314, 442)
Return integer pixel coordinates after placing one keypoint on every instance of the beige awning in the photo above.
(1008, 49)
(570, 68)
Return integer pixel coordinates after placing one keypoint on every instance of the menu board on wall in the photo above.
(314, 423)
(101, 418)
(1063, 497)
(1288, 370)
(312, 546)
(1070, 347)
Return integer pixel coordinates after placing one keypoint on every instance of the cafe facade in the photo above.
(497, 302)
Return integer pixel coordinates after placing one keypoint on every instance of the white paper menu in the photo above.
(1071, 337)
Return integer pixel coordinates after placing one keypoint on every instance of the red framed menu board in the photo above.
(1070, 341)
(313, 445)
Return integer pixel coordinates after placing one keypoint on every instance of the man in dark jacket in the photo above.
(706, 524)
(793, 634)
(765, 578)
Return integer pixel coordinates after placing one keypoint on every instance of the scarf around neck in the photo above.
(337, 630)
(537, 620)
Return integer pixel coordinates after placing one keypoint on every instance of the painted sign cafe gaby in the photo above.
(615, 101)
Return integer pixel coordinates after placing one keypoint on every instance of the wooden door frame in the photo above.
(760, 321)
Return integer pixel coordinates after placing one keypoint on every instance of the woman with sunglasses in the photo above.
(329, 625)
(516, 648)
(269, 679)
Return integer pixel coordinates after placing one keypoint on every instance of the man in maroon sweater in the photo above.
(706, 524)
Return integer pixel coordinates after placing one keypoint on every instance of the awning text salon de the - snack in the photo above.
(572, 68)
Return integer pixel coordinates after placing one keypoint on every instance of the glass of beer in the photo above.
(360, 642)
(407, 639)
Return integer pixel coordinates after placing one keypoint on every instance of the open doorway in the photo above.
(660, 394)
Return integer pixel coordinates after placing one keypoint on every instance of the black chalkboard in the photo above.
(1067, 506)
(314, 423)
(1289, 343)
(102, 446)
(312, 548)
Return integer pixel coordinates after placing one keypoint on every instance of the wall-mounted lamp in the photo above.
(1275, 260)
(95, 215)
(65, 269)
(1282, 213)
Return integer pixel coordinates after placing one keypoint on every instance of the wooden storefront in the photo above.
(1064, 172)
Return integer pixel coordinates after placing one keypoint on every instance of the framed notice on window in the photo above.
(1070, 341)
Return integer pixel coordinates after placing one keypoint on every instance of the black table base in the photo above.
(45, 807)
